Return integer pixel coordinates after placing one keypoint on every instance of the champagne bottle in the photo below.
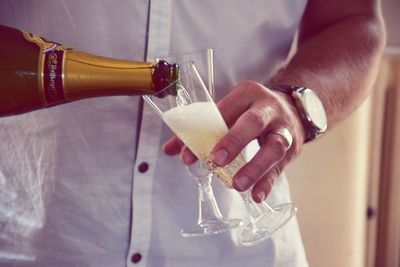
(37, 73)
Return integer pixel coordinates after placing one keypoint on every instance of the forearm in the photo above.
(339, 63)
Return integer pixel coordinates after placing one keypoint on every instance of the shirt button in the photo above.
(136, 257)
(143, 167)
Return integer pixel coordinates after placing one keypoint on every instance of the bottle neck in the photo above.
(87, 76)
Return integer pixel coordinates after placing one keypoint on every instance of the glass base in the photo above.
(265, 225)
(211, 227)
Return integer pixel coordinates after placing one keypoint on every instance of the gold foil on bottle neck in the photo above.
(90, 76)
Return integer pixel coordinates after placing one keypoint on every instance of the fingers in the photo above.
(174, 146)
(187, 157)
(248, 126)
(264, 186)
(269, 119)
(236, 102)
(271, 153)
(247, 110)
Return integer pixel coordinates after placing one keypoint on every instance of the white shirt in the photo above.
(71, 193)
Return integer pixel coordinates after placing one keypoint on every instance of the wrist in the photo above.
(309, 109)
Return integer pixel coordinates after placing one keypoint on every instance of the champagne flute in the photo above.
(210, 220)
(195, 119)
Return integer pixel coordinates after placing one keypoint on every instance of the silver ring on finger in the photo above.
(286, 136)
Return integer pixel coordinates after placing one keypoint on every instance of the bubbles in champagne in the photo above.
(226, 173)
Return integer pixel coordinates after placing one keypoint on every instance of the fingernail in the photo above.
(188, 157)
(242, 182)
(220, 157)
(261, 195)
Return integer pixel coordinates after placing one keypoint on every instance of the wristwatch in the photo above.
(310, 108)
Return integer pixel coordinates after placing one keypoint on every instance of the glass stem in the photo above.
(208, 209)
(255, 209)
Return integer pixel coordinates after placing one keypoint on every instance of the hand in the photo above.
(253, 111)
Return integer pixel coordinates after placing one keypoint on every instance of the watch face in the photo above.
(315, 110)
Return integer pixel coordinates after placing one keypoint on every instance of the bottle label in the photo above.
(51, 69)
